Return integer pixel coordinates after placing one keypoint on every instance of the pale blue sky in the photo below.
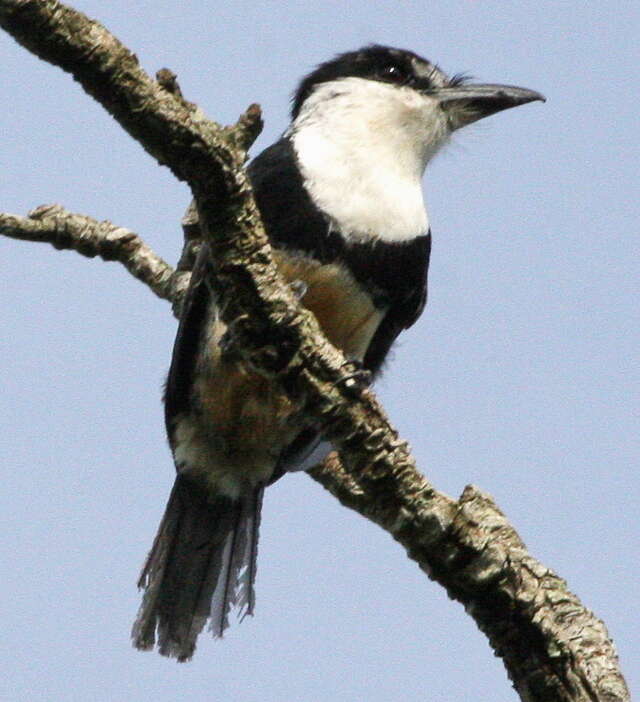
(521, 377)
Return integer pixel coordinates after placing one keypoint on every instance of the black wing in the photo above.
(291, 219)
(195, 310)
(288, 215)
(407, 301)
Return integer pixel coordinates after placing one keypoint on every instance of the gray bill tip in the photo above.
(468, 103)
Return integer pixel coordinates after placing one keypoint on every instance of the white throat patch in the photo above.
(362, 147)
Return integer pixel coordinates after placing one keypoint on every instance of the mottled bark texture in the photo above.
(66, 230)
(552, 646)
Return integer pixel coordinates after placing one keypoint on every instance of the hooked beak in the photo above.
(465, 104)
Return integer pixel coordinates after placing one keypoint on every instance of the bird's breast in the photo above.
(344, 309)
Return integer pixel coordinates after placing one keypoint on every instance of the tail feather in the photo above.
(247, 599)
(201, 564)
(239, 591)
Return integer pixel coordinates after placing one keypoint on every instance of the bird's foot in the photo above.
(298, 288)
(358, 377)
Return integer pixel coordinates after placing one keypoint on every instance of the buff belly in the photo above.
(244, 422)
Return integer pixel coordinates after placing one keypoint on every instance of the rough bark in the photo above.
(552, 646)
(62, 229)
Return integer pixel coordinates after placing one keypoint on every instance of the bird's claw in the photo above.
(358, 378)
(298, 288)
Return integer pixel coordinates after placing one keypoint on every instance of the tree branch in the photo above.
(62, 229)
(553, 648)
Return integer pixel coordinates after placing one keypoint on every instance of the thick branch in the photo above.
(554, 649)
(172, 130)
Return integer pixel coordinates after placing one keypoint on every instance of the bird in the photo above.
(340, 195)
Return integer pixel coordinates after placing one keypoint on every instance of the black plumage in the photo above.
(375, 62)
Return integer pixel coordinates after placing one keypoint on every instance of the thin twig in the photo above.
(62, 229)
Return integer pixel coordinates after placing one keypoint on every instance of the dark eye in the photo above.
(394, 74)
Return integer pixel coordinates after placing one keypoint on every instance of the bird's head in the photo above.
(398, 91)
